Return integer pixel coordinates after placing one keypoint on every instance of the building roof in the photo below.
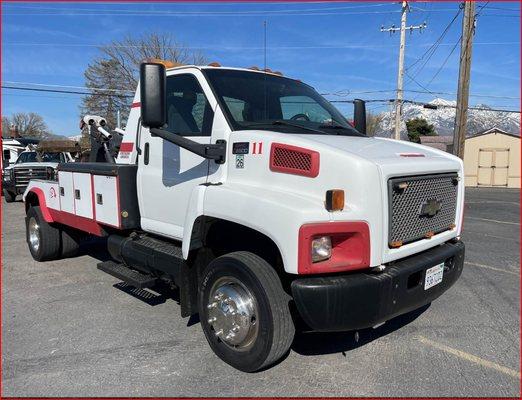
(492, 130)
(436, 139)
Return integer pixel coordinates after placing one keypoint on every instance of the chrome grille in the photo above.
(23, 175)
(421, 206)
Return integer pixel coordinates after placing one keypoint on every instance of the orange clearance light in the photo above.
(429, 234)
(396, 244)
(214, 64)
(334, 200)
(452, 226)
(254, 68)
(166, 63)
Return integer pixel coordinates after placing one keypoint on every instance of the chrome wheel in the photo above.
(232, 313)
(34, 234)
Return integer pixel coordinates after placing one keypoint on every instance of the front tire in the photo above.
(244, 311)
(43, 239)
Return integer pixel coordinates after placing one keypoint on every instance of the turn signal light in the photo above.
(334, 200)
(396, 244)
(166, 63)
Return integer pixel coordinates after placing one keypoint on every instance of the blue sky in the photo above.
(335, 47)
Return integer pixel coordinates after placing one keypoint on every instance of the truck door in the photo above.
(167, 174)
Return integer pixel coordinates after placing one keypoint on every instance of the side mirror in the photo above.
(359, 115)
(153, 95)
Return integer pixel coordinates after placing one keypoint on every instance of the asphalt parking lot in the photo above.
(69, 329)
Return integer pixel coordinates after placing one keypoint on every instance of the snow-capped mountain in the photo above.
(75, 138)
(443, 118)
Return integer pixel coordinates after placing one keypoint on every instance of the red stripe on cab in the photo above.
(135, 105)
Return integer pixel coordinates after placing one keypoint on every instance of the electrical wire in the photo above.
(235, 12)
(432, 50)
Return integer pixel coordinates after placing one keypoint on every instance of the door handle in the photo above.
(146, 155)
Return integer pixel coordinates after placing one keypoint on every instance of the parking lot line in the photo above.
(493, 268)
(470, 357)
(494, 220)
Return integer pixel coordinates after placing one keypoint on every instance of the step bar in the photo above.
(127, 275)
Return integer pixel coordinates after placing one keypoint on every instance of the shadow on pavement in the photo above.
(316, 343)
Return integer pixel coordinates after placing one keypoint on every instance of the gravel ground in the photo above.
(68, 329)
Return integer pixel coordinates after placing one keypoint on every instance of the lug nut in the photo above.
(212, 305)
(210, 320)
(219, 333)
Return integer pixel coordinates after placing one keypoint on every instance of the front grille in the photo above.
(23, 175)
(421, 206)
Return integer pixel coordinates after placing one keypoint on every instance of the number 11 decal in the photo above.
(257, 148)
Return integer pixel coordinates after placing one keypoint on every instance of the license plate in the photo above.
(433, 276)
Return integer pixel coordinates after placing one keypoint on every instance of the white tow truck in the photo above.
(252, 194)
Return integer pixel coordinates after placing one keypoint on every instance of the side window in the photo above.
(188, 111)
(295, 105)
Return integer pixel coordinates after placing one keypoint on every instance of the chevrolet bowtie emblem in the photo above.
(430, 208)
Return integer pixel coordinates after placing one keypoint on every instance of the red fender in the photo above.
(43, 206)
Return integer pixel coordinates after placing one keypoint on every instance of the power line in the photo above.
(65, 91)
(154, 12)
(67, 86)
(431, 51)
(346, 92)
(441, 67)
(225, 48)
(97, 91)
(419, 103)
(200, 14)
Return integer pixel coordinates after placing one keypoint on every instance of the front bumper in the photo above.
(362, 300)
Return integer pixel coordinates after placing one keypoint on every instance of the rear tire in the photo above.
(10, 197)
(43, 239)
(244, 311)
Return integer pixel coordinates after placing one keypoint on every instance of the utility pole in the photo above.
(466, 45)
(400, 76)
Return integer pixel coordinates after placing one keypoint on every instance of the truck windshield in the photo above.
(254, 100)
(31, 156)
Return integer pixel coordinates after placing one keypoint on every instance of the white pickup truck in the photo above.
(30, 165)
(252, 194)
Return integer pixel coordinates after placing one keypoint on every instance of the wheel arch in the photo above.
(224, 236)
(36, 197)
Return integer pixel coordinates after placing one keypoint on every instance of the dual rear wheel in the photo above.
(48, 242)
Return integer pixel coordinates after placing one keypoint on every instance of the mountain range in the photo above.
(443, 118)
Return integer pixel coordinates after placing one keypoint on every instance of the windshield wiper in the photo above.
(339, 127)
(285, 123)
(282, 122)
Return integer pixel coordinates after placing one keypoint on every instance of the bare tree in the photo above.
(373, 123)
(113, 76)
(25, 125)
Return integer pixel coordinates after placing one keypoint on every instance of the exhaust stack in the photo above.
(359, 115)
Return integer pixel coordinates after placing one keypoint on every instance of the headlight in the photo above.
(6, 175)
(321, 248)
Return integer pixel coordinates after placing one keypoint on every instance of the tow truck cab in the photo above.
(253, 195)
